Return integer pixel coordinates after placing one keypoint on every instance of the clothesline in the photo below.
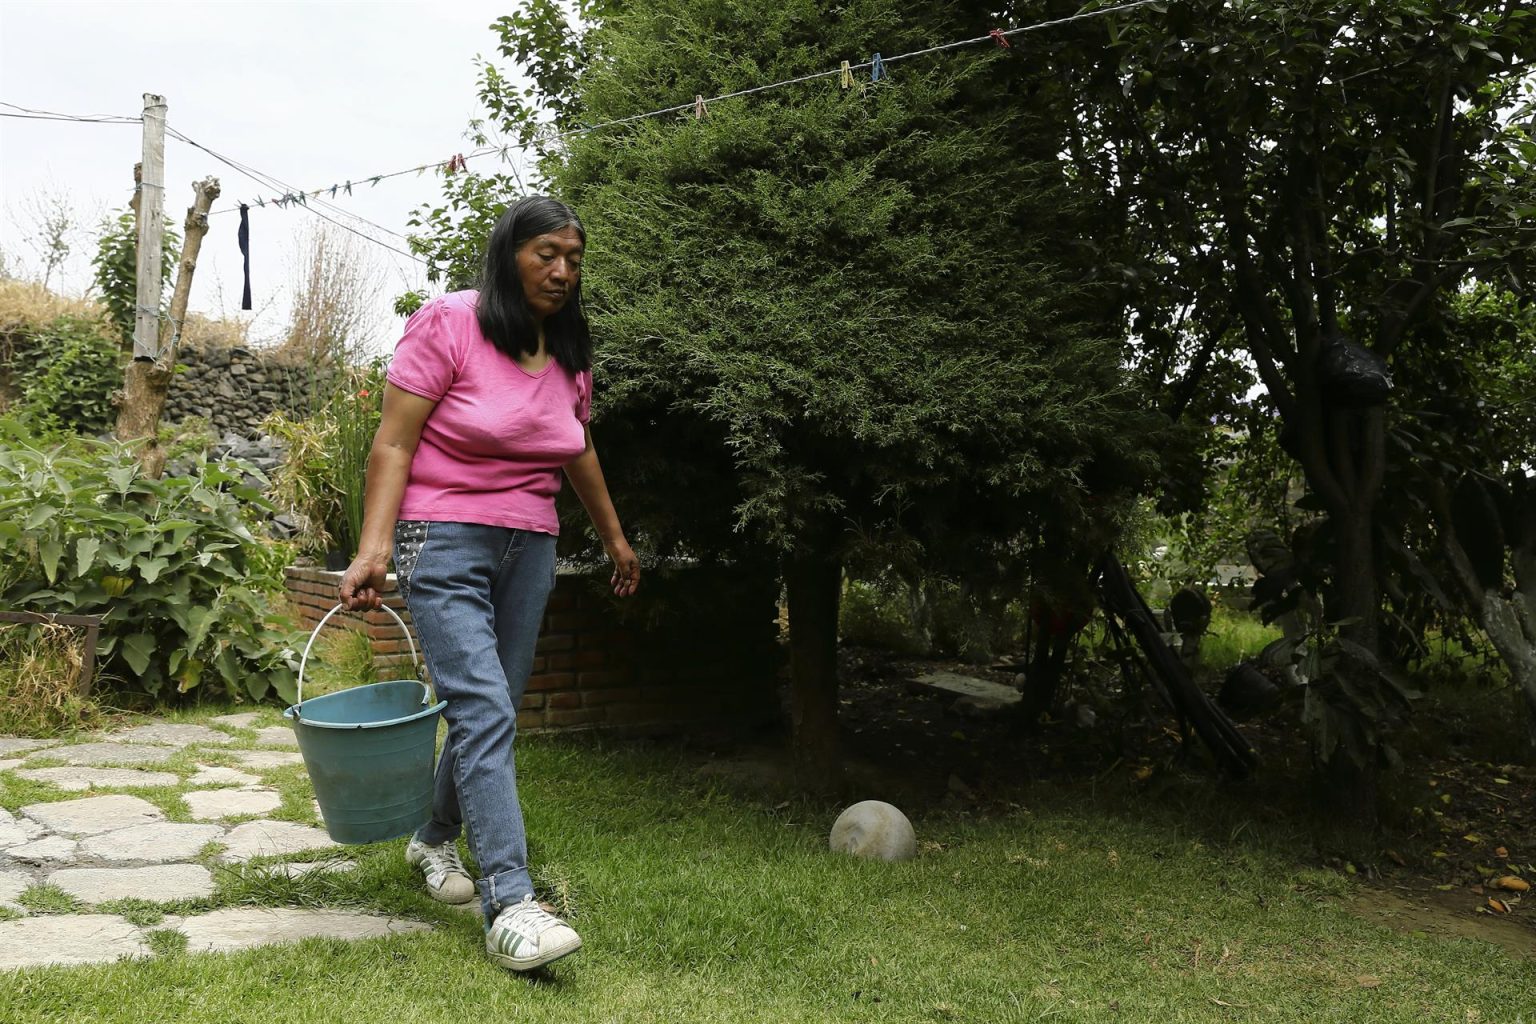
(699, 104)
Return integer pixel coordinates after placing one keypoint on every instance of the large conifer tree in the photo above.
(826, 315)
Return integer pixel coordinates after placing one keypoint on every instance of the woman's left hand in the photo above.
(626, 568)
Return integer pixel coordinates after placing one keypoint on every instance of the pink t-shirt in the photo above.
(492, 449)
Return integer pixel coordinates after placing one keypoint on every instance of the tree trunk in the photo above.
(813, 584)
(1348, 807)
(146, 382)
(1508, 620)
(1355, 459)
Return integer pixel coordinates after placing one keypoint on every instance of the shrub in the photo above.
(325, 461)
(171, 564)
(66, 373)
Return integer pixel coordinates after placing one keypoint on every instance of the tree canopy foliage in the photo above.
(1291, 179)
(830, 317)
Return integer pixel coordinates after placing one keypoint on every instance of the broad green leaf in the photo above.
(137, 651)
(38, 516)
(85, 554)
(50, 551)
(122, 476)
(151, 568)
(199, 618)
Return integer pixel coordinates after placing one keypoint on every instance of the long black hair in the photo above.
(503, 309)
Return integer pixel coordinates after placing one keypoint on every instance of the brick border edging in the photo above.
(593, 671)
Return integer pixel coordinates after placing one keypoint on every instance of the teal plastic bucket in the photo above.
(369, 752)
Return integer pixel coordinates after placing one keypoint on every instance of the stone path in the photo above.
(99, 847)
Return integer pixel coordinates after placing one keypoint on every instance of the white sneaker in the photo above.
(447, 881)
(526, 936)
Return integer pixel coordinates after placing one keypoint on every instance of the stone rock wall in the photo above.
(235, 388)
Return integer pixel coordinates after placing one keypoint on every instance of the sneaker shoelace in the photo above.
(444, 860)
(529, 918)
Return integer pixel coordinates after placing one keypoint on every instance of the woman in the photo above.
(486, 402)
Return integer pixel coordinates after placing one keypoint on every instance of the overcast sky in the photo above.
(312, 93)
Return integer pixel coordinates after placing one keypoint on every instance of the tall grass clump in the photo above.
(40, 667)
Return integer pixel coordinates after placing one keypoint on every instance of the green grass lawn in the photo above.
(698, 904)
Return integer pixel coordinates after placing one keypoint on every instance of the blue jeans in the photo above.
(477, 594)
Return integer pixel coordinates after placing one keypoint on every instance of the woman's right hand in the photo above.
(363, 583)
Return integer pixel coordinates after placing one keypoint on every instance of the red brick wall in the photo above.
(695, 647)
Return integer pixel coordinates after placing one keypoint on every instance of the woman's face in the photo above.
(550, 269)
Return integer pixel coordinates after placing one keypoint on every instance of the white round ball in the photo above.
(875, 830)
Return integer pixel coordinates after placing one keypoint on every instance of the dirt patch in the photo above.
(1442, 915)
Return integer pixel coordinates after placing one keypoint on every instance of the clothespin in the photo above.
(333, 190)
(376, 179)
(261, 202)
(876, 69)
(457, 163)
(348, 188)
(1002, 39)
(846, 78)
(699, 110)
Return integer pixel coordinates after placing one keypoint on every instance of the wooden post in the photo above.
(146, 382)
(151, 217)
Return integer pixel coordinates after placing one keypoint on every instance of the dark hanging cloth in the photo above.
(244, 236)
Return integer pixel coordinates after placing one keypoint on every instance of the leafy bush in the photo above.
(66, 373)
(325, 461)
(871, 616)
(171, 564)
(941, 620)
(117, 269)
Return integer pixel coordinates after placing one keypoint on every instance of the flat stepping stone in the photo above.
(93, 815)
(214, 804)
(10, 745)
(79, 779)
(159, 884)
(12, 885)
(8, 763)
(48, 850)
(14, 831)
(243, 927)
(216, 775)
(160, 843)
(969, 686)
(171, 734)
(260, 759)
(277, 736)
(108, 753)
(273, 839)
(68, 939)
(244, 720)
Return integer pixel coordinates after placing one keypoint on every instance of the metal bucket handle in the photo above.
(426, 694)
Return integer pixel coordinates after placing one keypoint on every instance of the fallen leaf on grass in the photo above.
(1500, 851)
(1232, 1006)
(1477, 890)
(1512, 884)
(1368, 981)
(1497, 906)
(1396, 858)
(1143, 773)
